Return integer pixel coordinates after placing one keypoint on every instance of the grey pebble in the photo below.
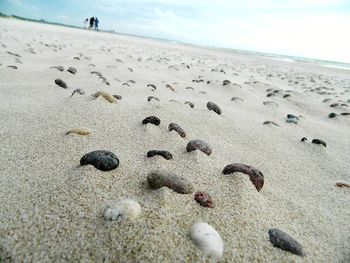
(158, 179)
(61, 83)
(284, 241)
(72, 70)
(102, 160)
(177, 128)
(212, 106)
(165, 154)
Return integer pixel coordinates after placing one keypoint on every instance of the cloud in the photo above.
(62, 17)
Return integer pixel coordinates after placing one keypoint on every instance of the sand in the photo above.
(52, 208)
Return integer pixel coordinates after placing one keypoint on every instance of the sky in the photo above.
(307, 28)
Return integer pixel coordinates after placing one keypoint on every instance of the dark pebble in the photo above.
(342, 185)
(102, 160)
(236, 98)
(177, 128)
(165, 154)
(345, 113)
(291, 116)
(270, 95)
(152, 86)
(72, 70)
(284, 241)
(199, 145)
(286, 96)
(204, 199)
(61, 83)
(60, 68)
(158, 179)
(151, 119)
(303, 139)
(226, 82)
(318, 141)
(212, 106)
(332, 115)
(152, 98)
(190, 104)
(255, 176)
(11, 66)
(118, 97)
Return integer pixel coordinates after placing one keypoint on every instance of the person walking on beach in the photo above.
(85, 22)
(92, 20)
(96, 23)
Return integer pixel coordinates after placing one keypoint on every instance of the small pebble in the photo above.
(190, 104)
(61, 83)
(165, 154)
(212, 106)
(125, 209)
(80, 131)
(269, 102)
(332, 115)
(60, 68)
(303, 139)
(78, 91)
(255, 176)
(102, 160)
(152, 86)
(284, 241)
(204, 199)
(158, 179)
(271, 122)
(118, 97)
(105, 95)
(342, 185)
(72, 70)
(208, 240)
(11, 66)
(236, 98)
(318, 141)
(152, 98)
(177, 128)
(286, 96)
(345, 113)
(151, 119)
(270, 94)
(291, 116)
(199, 145)
(226, 82)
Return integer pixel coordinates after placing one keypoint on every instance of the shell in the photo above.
(125, 209)
(207, 239)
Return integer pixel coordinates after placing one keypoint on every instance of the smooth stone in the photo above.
(102, 160)
(204, 199)
(284, 241)
(199, 145)
(158, 179)
(151, 119)
(72, 70)
(212, 106)
(61, 83)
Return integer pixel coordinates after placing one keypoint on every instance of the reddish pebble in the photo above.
(204, 199)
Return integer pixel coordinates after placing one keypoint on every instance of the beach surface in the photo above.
(52, 208)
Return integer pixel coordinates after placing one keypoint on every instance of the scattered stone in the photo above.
(332, 115)
(255, 176)
(286, 96)
(292, 119)
(190, 104)
(303, 139)
(269, 102)
(152, 86)
(212, 106)
(270, 94)
(189, 88)
(125, 209)
(270, 122)
(334, 105)
(199, 145)
(326, 100)
(80, 131)
(226, 82)
(105, 95)
(11, 66)
(96, 73)
(61, 83)
(151, 119)
(77, 58)
(291, 116)
(152, 97)
(208, 240)
(318, 141)
(102, 160)
(284, 241)
(118, 97)
(170, 87)
(342, 185)
(295, 121)
(165, 154)
(130, 69)
(177, 128)
(72, 70)
(79, 91)
(158, 179)
(236, 98)
(345, 113)
(204, 199)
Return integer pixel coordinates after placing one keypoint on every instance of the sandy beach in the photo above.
(52, 208)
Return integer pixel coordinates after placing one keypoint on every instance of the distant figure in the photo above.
(85, 22)
(92, 20)
(96, 23)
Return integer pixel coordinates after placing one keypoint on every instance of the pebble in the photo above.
(342, 185)
(271, 122)
(151, 119)
(236, 98)
(170, 87)
(345, 113)
(105, 95)
(165, 154)
(204, 199)
(11, 66)
(318, 141)
(190, 104)
(212, 106)
(208, 240)
(177, 128)
(269, 102)
(80, 131)
(152, 86)
(284, 241)
(60, 68)
(118, 97)
(292, 119)
(79, 91)
(72, 70)
(61, 83)
(286, 96)
(255, 176)
(102, 160)
(332, 115)
(125, 209)
(226, 82)
(199, 145)
(152, 98)
(270, 94)
(159, 178)
(303, 139)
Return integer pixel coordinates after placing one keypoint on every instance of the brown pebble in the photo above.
(212, 106)
(204, 199)
(151, 119)
(61, 83)
(342, 185)
(158, 179)
(177, 128)
(255, 176)
(199, 145)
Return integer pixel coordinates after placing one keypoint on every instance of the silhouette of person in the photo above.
(92, 20)
(96, 23)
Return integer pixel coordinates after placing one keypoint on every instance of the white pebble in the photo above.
(208, 240)
(124, 209)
